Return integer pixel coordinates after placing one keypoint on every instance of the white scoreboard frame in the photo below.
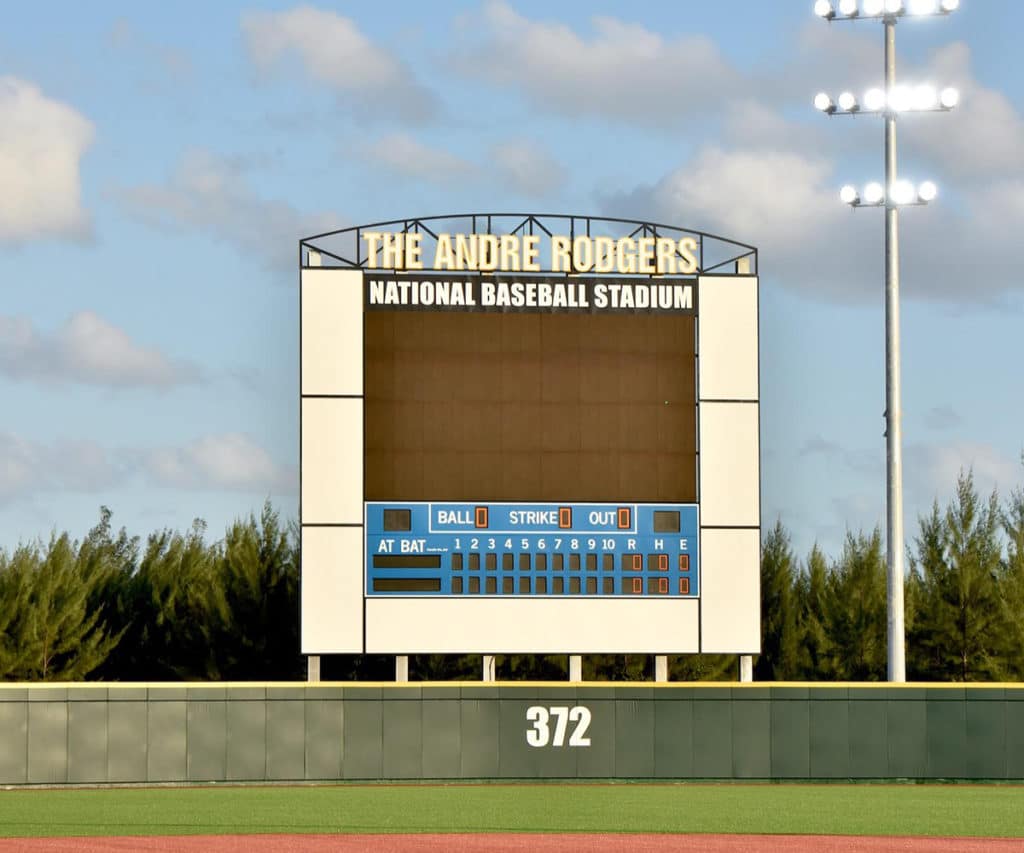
(337, 616)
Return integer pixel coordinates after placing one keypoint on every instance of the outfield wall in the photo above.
(292, 732)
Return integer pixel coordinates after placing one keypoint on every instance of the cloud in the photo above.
(174, 63)
(42, 142)
(210, 194)
(621, 70)
(87, 350)
(29, 467)
(231, 461)
(333, 52)
(525, 167)
(220, 462)
(403, 155)
(931, 470)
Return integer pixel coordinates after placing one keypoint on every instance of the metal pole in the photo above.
(893, 411)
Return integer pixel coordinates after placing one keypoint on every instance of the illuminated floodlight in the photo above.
(823, 102)
(927, 191)
(848, 194)
(949, 97)
(847, 102)
(874, 100)
(893, 7)
(901, 98)
(823, 9)
(922, 7)
(925, 97)
(950, 5)
(873, 7)
(902, 192)
(848, 8)
(874, 193)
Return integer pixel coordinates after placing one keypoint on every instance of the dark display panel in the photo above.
(517, 406)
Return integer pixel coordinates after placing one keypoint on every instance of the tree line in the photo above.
(179, 606)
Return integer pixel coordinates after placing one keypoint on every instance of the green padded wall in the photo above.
(96, 733)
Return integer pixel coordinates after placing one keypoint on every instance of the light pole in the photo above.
(889, 102)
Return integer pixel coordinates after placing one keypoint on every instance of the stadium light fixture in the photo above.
(893, 194)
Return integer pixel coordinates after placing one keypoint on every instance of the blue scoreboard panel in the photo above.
(531, 549)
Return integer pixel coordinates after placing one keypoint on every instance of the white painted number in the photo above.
(540, 735)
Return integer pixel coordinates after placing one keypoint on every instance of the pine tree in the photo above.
(960, 611)
(857, 610)
(779, 639)
(814, 609)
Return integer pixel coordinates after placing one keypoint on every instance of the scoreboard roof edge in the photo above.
(343, 247)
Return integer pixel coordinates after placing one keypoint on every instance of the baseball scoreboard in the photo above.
(528, 434)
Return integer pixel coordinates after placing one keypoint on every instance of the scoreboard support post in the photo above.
(661, 667)
(312, 668)
(488, 669)
(746, 667)
(401, 668)
(575, 667)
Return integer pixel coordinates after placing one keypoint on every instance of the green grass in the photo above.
(826, 809)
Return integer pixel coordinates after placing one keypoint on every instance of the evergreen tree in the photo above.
(857, 610)
(1012, 587)
(960, 611)
(779, 640)
(814, 608)
(51, 633)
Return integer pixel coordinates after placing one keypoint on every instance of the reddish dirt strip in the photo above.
(512, 843)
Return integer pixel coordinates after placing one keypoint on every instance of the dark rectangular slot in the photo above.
(574, 586)
(524, 586)
(406, 584)
(456, 586)
(492, 586)
(542, 562)
(456, 562)
(542, 586)
(398, 519)
(474, 562)
(508, 585)
(608, 562)
(591, 586)
(507, 562)
(491, 562)
(407, 561)
(557, 562)
(666, 521)
(557, 586)
(574, 562)
(591, 562)
(608, 586)
(474, 585)
(524, 562)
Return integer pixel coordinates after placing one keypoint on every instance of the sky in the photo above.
(159, 162)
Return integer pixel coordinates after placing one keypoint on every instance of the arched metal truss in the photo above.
(344, 247)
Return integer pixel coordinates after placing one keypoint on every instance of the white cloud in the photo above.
(42, 142)
(931, 470)
(29, 467)
(87, 350)
(210, 194)
(231, 461)
(335, 53)
(403, 155)
(621, 71)
(526, 168)
(220, 462)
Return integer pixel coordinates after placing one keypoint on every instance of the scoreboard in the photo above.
(532, 549)
(520, 440)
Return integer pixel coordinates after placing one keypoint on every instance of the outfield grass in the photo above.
(825, 809)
